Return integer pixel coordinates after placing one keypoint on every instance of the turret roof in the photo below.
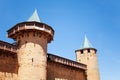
(34, 17)
(86, 43)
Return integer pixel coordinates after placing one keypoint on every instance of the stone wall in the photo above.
(32, 56)
(8, 66)
(57, 71)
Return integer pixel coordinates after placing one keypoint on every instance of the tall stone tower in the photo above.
(87, 55)
(32, 38)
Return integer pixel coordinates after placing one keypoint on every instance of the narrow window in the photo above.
(81, 51)
(88, 50)
(32, 59)
(25, 41)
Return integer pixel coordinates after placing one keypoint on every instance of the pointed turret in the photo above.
(34, 17)
(32, 37)
(86, 43)
(88, 55)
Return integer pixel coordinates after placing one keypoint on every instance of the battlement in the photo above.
(65, 61)
(8, 47)
(86, 50)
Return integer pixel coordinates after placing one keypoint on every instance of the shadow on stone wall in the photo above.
(8, 62)
(56, 71)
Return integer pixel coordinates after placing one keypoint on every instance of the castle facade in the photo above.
(28, 59)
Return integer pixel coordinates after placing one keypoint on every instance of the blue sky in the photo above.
(99, 19)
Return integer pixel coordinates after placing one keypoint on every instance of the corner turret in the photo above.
(32, 37)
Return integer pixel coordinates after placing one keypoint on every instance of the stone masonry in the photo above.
(27, 58)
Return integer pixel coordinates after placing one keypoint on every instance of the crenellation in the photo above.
(65, 61)
(85, 51)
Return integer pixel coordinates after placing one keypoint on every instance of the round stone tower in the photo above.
(87, 55)
(32, 38)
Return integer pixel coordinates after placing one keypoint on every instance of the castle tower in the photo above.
(87, 55)
(32, 38)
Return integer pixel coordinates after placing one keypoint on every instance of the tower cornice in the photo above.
(31, 26)
(85, 49)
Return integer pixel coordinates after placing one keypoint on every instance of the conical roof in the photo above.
(34, 17)
(86, 43)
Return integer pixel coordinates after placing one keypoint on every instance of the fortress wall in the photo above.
(8, 66)
(57, 71)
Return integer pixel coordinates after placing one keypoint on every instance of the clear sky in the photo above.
(99, 19)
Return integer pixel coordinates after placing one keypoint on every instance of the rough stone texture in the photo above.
(32, 56)
(89, 57)
(57, 71)
(8, 66)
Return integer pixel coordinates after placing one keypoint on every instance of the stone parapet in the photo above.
(8, 47)
(25, 26)
(65, 61)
